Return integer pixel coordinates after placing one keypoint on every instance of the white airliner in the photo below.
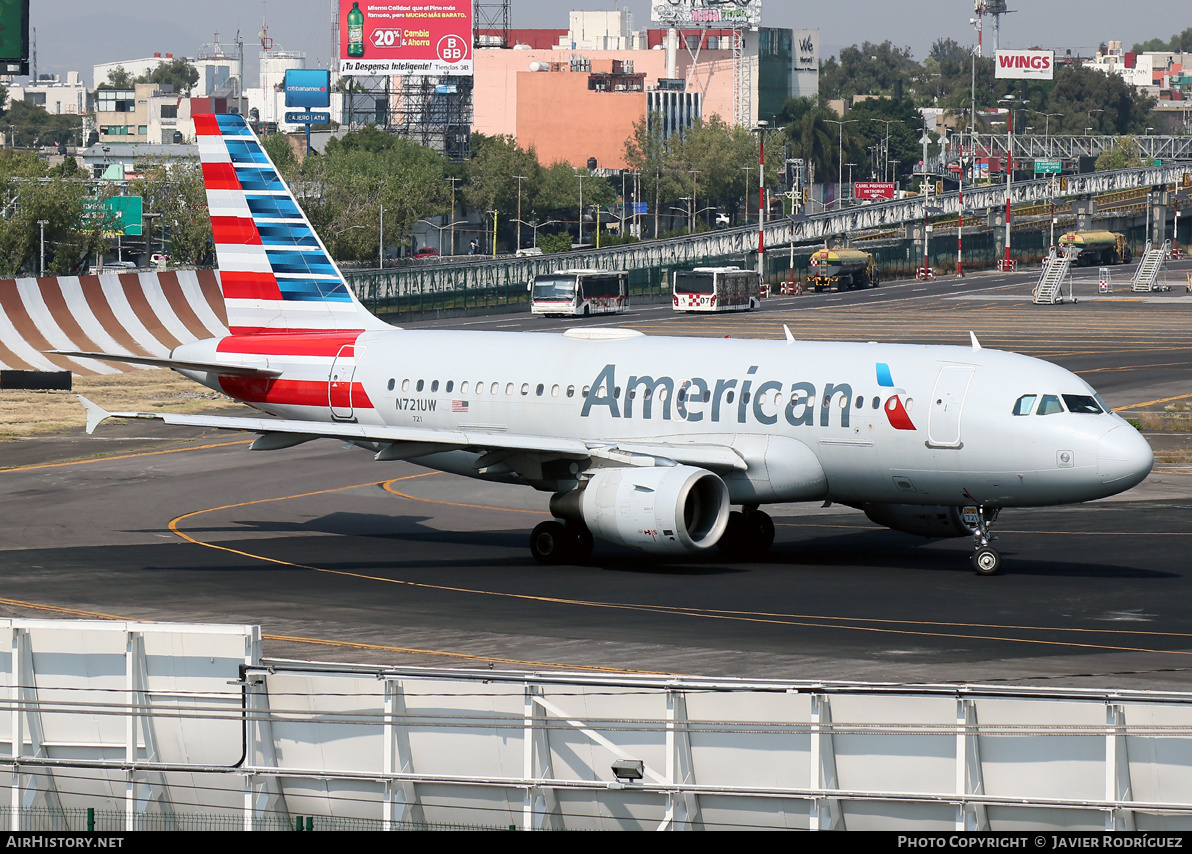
(644, 441)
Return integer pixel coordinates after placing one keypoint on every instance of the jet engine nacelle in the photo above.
(658, 509)
(924, 520)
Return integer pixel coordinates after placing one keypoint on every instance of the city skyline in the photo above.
(67, 32)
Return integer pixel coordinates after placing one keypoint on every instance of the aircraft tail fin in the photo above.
(276, 274)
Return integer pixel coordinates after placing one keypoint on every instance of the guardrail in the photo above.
(476, 283)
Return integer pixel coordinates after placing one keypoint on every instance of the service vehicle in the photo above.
(716, 289)
(579, 292)
(1097, 248)
(841, 269)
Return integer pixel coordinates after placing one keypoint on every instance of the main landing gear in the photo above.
(554, 543)
(749, 534)
(985, 560)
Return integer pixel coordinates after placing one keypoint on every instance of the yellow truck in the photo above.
(841, 269)
(1097, 248)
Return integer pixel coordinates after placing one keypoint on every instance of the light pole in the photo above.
(42, 223)
(884, 152)
(381, 241)
(1007, 266)
(691, 222)
(840, 123)
(452, 180)
(519, 178)
(1047, 127)
(581, 206)
(442, 228)
(851, 195)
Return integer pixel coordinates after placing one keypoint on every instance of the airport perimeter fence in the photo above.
(503, 283)
(89, 820)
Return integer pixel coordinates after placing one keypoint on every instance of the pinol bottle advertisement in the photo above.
(405, 38)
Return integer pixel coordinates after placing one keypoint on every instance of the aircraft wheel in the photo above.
(748, 535)
(763, 530)
(582, 541)
(986, 561)
(734, 534)
(550, 543)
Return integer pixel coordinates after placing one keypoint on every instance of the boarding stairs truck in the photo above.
(1148, 268)
(1056, 270)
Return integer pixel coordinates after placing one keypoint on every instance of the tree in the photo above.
(118, 78)
(174, 191)
(344, 190)
(31, 194)
(33, 126)
(1125, 154)
(891, 128)
(871, 69)
(176, 72)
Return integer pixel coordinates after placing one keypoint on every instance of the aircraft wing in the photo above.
(419, 441)
(229, 369)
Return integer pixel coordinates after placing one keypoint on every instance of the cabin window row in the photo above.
(683, 395)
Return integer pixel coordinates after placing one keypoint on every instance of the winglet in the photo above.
(96, 414)
(790, 339)
(976, 343)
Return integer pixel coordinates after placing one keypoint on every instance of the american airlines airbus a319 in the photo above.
(645, 442)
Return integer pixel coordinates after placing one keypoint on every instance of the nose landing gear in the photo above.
(985, 560)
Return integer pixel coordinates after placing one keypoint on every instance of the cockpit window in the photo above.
(1025, 404)
(1049, 405)
(1082, 403)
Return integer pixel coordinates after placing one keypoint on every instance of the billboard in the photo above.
(308, 87)
(707, 13)
(869, 190)
(14, 36)
(411, 37)
(1029, 64)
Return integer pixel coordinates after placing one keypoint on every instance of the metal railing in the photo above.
(473, 283)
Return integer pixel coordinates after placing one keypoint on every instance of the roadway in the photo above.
(342, 559)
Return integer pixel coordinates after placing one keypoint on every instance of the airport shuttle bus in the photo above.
(580, 292)
(716, 289)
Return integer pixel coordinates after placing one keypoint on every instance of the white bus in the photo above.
(716, 289)
(580, 292)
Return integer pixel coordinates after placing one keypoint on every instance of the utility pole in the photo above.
(519, 178)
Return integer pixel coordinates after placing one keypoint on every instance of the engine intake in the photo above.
(657, 509)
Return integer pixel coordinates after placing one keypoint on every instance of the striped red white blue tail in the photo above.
(276, 274)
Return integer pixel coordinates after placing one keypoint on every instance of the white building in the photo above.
(55, 95)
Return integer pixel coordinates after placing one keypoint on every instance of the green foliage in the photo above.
(1125, 154)
(176, 72)
(1181, 42)
(344, 190)
(33, 126)
(711, 163)
(118, 78)
(28, 193)
(871, 69)
(281, 152)
(550, 243)
(174, 190)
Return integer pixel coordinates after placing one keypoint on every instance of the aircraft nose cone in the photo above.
(1124, 458)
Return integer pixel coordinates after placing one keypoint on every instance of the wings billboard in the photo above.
(413, 37)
